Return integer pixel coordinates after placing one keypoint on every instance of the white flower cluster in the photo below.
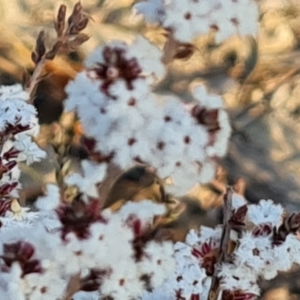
(113, 100)
(266, 243)
(18, 124)
(195, 260)
(259, 249)
(187, 19)
(93, 174)
(39, 263)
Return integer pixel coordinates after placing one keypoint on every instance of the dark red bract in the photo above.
(4, 206)
(94, 279)
(237, 295)
(117, 66)
(207, 117)
(207, 254)
(21, 252)
(78, 216)
(6, 188)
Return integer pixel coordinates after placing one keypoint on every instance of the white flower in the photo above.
(293, 247)
(238, 277)
(207, 100)
(18, 215)
(51, 200)
(158, 262)
(149, 58)
(60, 259)
(86, 296)
(29, 151)
(122, 286)
(153, 10)
(144, 210)
(266, 211)
(161, 292)
(188, 19)
(74, 251)
(92, 174)
(286, 254)
(254, 252)
(13, 287)
(235, 17)
(49, 285)
(238, 201)
(13, 92)
(14, 110)
(213, 234)
(129, 123)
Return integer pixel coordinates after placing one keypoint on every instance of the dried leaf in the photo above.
(237, 218)
(290, 224)
(184, 51)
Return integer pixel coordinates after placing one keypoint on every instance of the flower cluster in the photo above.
(187, 19)
(130, 124)
(18, 125)
(84, 244)
(71, 248)
(262, 241)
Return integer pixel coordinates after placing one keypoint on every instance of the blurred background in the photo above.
(258, 78)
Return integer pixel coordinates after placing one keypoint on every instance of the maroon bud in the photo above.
(10, 165)
(6, 188)
(21, 252)
(206, 117)
(127, 69)
(262, 230)
(78, 216)
(4, 206)
(237, 295)
(32, 266)
(11, 153)
(237, 219)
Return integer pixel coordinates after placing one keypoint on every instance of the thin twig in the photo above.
(223, 251)
(68, 39)
(35, 78)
